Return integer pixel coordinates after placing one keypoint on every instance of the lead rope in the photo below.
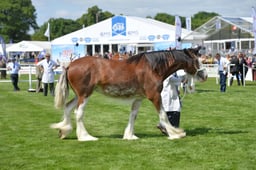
(184, 92)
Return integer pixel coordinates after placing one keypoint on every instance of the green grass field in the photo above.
(220, 133)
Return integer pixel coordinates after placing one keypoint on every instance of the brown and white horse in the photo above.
(136, 78)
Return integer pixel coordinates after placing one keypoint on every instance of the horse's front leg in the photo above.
(129, 130)
(81, 131)
(65, 126)
(173, 133)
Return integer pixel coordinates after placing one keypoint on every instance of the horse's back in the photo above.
(115, 78)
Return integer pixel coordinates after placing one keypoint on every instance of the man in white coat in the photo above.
(48, 66)
(171, 100)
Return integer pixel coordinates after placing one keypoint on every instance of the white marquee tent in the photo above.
(29, 46)
(119, 30)
(122, 30)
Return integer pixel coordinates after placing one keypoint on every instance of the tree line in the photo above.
(18, 19)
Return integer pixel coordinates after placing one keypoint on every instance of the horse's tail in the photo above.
(61, 90)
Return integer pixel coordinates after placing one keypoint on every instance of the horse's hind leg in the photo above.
(81, 131)
(129, 130)
(65, 126)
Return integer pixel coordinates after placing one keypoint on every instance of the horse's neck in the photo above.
(172, 69)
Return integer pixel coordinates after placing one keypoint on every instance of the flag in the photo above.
(3, 49)
(188, 23)
(47, 32)
(178, 32)
(254, 28)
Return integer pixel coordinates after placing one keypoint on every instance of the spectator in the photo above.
(234, 70)
(39, 75)
(3, 67)
(48, 66)
(13, 66)
(242, 70)
(222, 70)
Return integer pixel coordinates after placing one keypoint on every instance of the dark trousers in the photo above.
(51, 85)
(237, 78)
(15, 80)
(174, 118)
(223, 79)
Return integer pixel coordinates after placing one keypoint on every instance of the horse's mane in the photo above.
(157, 60)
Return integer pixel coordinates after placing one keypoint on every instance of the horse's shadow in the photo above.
(203, 131)
(189, 133)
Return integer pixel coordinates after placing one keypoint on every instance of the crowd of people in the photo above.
(235, 64)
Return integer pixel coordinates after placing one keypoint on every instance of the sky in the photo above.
(73, 9)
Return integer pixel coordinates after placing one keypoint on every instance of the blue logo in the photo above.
(87, 39)
(151, 37)
(118, 26)
(165, 36)
(74, 39)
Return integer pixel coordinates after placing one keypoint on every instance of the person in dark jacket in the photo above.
(234, 62)
(242, 70)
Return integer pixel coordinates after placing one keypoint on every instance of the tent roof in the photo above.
(220, 23)
(29, 46)
(122, 30)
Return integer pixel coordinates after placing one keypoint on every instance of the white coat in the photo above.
(170, 93)
(48, 74)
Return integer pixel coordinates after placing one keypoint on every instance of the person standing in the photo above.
(39, 75)
(48, 66)
(171, 100)
(234, 70)
(13, 66)
(222, 70)
(242, 70)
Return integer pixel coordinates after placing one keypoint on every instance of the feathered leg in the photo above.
(129, 130)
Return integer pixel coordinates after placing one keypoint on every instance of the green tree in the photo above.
(93, 16)
(58, 28)
(197, 20)
(201, 17)
(166, 18)
(17, 18)
(169, 19)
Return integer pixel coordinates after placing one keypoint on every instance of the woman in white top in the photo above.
(48, 67)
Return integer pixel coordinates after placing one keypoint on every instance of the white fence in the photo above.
(212, 70)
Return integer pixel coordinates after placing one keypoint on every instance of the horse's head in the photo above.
(195, 67)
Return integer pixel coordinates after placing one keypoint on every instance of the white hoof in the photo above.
(56, 125)
(87, 138)
(133, 137)
(64, 130)
(177, 136)
(179, 130)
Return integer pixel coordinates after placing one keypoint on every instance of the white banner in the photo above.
(178, 32)
(254, 28)
(188, 23)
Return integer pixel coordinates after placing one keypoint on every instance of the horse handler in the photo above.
(171, 100)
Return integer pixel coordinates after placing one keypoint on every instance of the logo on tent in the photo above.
(165, 37)
(74, 39)
(87, 39)
(118, 26)
(151, 37)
